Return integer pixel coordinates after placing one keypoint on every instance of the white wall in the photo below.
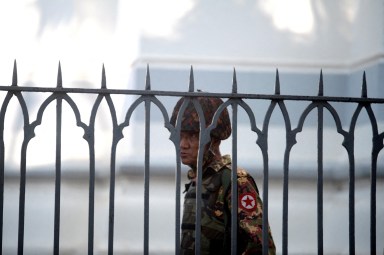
(272, 33)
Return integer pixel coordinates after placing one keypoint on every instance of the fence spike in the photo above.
(234, 82)
(191, 81)
(14, 75)
(277, 83)
(321, 84)
(364, 92)
(59, 77)
(148, 80)
(103, 78)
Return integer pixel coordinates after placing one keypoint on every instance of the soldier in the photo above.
(216, 188)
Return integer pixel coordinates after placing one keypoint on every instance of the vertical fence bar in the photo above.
(113, 171)
(2, 152)
(175, 137)
(111, 210)
(351, 196)
(199, 186)
(265, 240)
(289, 143)
(351, 154)
(178, 203)
(202, 142)
(352, 206)
(20, 249)
(234, 195)
(262, 141)
(373, 204)
(377, 145)
(57, 178)
(177, 190)
(320, 139)
(199, 170)
(147, 159)
(146, 175)
(2, 165)
(91, 209)
(20, 246)
(285, 203)
(90, 137)
(320, 181)
(56, 238)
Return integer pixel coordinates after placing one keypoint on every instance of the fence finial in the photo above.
(234, 82)
(191, 81)
(103, 78)
(148, 80)
(321, 85)
(14, 75)
(277, 83)
(364, 92)
(59, 77)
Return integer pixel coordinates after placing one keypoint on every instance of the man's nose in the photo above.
(184, 142)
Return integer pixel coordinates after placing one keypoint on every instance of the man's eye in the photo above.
(190, 136)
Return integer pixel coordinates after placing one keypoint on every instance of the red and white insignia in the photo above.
(247, 201)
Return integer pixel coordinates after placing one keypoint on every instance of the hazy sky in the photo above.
(81, 34)
(85, 34)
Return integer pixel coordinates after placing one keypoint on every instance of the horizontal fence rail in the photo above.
(233, 100)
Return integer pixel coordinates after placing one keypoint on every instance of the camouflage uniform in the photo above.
(216, 208)
(216, 193)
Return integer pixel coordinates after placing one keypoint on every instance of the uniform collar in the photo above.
(217, 165)
(225, 161)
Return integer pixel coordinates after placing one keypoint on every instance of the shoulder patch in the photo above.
(248, 201)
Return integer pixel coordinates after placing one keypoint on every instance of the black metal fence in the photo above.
(233, 100)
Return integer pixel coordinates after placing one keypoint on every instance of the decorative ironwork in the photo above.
(149, 97)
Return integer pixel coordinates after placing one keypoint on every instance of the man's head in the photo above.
(190, 128)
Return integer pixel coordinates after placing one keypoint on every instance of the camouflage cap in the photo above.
(190, 120)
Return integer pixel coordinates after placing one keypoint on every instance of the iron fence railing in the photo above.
(234, 100)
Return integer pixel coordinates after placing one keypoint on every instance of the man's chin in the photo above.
(188, 163)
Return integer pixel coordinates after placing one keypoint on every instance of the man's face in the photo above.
(189, 147)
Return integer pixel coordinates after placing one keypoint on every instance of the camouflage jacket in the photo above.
(216, 208)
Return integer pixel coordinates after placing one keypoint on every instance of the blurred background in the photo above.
(299, 38)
